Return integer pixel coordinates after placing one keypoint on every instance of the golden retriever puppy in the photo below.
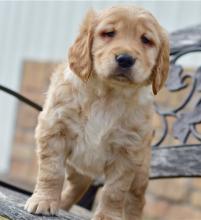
(97, 116)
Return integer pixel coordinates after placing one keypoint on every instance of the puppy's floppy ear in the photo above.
(80, 58)
(161, 68)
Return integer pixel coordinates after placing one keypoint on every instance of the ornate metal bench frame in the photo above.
(182, 160)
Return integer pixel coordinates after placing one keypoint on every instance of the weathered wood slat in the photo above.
(173, 161)
(12, 207)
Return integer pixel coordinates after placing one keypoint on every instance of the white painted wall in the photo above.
(44, 31)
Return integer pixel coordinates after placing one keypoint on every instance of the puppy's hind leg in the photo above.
(118, 181)
(75, 186)
(135, 197)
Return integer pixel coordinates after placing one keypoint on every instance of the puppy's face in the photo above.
(123, 45)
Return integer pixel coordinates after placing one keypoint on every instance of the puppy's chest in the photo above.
(103, 126)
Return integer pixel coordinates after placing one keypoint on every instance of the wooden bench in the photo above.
(179, 160)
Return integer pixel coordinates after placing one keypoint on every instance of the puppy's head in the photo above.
(121, 45)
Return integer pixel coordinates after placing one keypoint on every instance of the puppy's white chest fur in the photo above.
(97, 131)
(107, 122)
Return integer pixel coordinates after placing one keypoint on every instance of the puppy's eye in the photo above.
(146, 40)
(109, 34)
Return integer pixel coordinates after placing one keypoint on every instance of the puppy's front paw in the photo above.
(102, 216)
(40, 205)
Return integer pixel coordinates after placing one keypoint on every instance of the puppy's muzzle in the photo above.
(123, 71)
(125, 61)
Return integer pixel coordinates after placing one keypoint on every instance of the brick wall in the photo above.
(34, 83)
(173, 199)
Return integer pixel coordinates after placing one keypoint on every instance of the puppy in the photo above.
(97, 116)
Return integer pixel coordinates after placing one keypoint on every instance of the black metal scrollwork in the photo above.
(185, 122)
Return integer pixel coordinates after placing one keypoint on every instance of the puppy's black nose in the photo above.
(125, 60)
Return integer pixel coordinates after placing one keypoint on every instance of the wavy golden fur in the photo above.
(96, 120)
